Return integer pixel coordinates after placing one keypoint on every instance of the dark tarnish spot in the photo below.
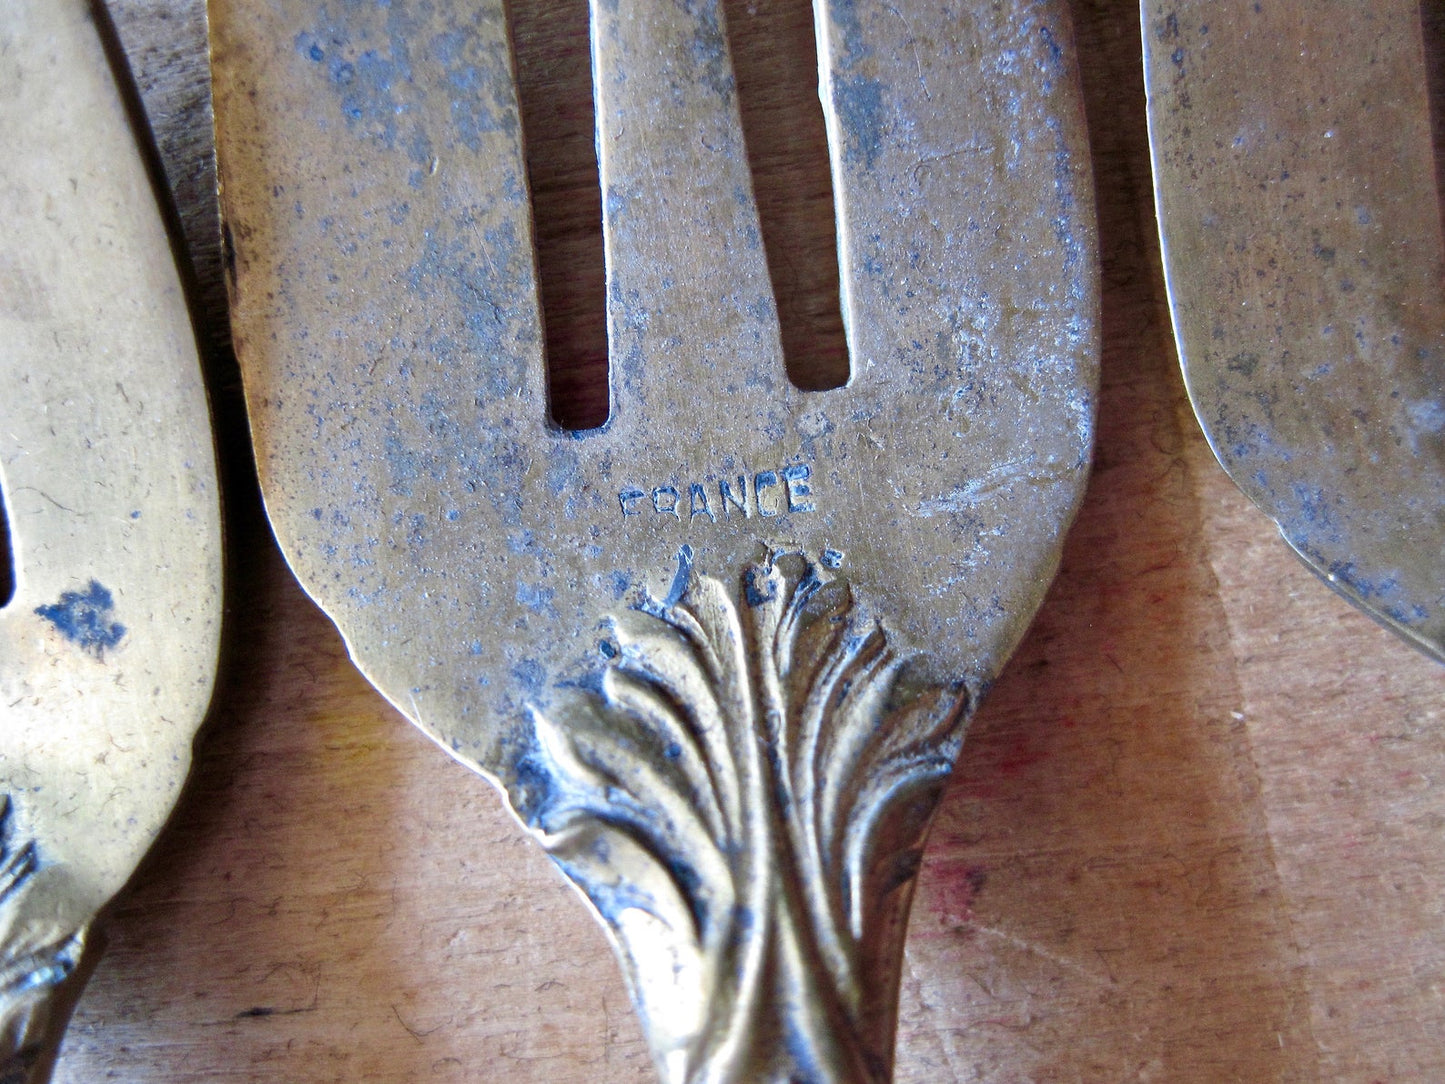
(758, 589)
(620, 582)
(1382, 591)
(365, 59)
(367, 90)
(844, 14)
(1055, 50)
(857, 98)
(709, 51)
(377, 89)
(404, 463)
(529, 674)
(86, 618)
(1243, 363)
(480, 93)
(537, 598)
(1064, 190)
(363, 80)
(1314, 508)
(859, 102)
(564, 471)
(488, 282)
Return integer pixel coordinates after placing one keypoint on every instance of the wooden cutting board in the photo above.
(1195, 834)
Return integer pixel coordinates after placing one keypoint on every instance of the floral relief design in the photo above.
(743, 799)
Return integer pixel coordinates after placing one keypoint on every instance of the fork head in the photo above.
(717, 652)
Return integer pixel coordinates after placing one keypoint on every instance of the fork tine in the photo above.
(931, 227)
(685, 261)
(430, 98)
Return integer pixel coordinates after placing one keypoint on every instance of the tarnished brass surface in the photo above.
(1296, 192)
(108, 645)
(719, 652)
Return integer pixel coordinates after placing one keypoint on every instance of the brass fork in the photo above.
(108, 645)
(719, 652)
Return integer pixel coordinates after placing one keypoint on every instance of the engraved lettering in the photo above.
(764, 479)
(628, 495)
(664, 509)
(795, 481)
(725, 491)
(697, 504)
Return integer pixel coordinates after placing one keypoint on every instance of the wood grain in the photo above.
(1193, 835)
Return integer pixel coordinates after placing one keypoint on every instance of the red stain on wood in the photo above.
(956, 885)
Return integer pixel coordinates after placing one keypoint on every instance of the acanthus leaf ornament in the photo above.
(37, 955)
(743, 799)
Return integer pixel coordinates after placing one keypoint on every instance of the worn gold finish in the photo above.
(743, 800)
(1302, 245)
(108, 645)
(719, 652)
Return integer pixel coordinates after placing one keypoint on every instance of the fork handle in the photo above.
(743, 801)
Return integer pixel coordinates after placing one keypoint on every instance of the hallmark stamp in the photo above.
(787, 490)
